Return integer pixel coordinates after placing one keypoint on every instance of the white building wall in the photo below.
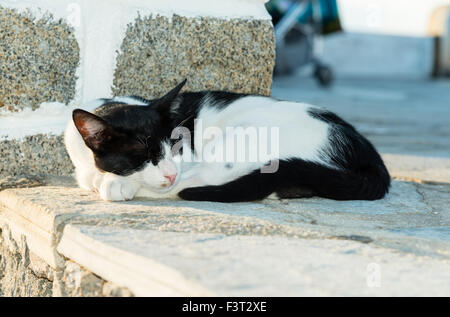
(399, 17)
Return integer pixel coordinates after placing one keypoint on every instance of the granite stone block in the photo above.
(38, 60)
(233, 55)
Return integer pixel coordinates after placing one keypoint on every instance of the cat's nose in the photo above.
(171, 178)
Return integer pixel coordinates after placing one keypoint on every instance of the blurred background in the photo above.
(381, 64)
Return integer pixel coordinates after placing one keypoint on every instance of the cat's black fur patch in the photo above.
(117, 149)
(189, 106)
(295, 192)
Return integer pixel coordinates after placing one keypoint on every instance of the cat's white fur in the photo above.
(300, 136)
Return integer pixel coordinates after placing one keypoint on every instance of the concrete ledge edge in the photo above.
(144, 277)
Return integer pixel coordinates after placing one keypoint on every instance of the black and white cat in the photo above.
(126, 148)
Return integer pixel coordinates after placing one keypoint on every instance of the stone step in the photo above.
(278, 248)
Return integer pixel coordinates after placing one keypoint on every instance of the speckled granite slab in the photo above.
(38, 155)
(233, 55)
(38, 60)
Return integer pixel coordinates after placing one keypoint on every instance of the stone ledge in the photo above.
(295, 247)
(143, 276)
(22, 273)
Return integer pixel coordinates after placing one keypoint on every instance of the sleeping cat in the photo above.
(127, 147)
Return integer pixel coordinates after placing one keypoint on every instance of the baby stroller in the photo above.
(296, 23)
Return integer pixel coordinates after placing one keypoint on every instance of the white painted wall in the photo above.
(366, 55)
(399, 17)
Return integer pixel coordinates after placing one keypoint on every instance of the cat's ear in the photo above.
(165, 102)
(171, 95)
(93, 129)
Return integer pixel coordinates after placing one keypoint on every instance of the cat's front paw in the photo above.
(117, 188)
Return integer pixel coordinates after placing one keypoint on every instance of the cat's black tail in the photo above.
(368, 182)
(297, 179)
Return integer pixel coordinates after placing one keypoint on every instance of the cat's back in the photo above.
(290, 125)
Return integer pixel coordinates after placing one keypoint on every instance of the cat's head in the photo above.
(144, 153)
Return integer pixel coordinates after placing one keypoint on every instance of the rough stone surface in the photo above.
(111, 290)
(78, 282)
(34, 155)
(21, 181)
(38, 60)
(17, 278)
(289, 247)
(157, 53)
(23, 274)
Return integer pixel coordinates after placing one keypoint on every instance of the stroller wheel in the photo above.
(324, 75)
